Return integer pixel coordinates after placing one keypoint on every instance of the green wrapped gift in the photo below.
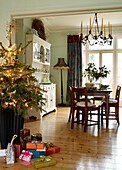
(43, 162)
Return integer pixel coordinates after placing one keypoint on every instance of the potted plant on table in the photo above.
(19, 90)
(93, 74)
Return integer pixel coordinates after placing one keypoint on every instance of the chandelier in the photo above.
(100, 34)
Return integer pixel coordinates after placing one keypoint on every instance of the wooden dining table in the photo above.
(104, 93)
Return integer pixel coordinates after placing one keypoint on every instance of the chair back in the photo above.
(77, 94)
(118, 93)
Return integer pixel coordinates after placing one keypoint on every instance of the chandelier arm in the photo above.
(96, 20)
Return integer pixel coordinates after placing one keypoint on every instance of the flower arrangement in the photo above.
(94, 74)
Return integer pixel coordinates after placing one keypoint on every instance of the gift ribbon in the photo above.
(26, 153)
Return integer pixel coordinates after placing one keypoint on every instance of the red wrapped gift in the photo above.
(53, 149)
(17, 150)
(25, 155)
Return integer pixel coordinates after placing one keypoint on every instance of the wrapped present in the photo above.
(37, 154)
(38, 146)
(41, 158)
(43, 162)
(10, 155)
(53, 149)
(24, 133)
(24, 141)
(36, 137)
(17, 150)
(25, 155)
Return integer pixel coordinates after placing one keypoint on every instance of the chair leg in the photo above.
(117, 114)
(86, 121)
(70, 114)
(98, 119)
(102, 115)
(83, 118)
(77, 116)
(72, 122)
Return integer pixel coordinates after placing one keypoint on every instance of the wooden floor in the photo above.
(79, 150)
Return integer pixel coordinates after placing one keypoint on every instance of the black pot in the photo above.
(10, 124)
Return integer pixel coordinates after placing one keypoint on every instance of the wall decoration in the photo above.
(39, 26)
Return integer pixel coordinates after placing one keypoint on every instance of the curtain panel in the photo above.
(74, 62)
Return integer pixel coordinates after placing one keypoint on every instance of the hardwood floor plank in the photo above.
(79, 150)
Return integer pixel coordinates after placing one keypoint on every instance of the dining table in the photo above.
(105, 94)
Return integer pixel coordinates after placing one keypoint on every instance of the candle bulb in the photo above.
(95, 30)
(109, 27)
(90, 24)
(104, 30)
(102, 25)
(81, 26)
(111, 30)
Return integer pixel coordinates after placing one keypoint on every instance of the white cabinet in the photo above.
(38, 56)
(50, 96)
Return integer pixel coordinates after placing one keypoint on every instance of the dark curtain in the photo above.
(75, 63)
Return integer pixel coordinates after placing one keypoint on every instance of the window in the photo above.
(94, 58)
(111, 57)
(107, 60)
(119, 71)
(119, 43)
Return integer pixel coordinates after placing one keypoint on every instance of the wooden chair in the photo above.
(85, 108)
(70, 114)
(113, 103)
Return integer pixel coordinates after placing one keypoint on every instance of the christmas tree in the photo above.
(19, 89)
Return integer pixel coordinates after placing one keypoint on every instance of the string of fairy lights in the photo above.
(17, 84)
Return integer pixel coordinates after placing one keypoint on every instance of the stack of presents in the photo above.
(31, 150)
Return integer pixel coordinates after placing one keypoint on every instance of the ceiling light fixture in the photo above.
(100, 35)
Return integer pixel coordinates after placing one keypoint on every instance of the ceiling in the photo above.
(73, 22)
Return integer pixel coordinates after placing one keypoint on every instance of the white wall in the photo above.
(19, 8)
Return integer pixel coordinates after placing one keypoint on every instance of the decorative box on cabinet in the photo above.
(38, 56)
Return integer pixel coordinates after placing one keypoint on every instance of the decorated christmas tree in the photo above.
(19, 89)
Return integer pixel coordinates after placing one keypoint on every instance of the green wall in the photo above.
(23, 26)
(58, 42)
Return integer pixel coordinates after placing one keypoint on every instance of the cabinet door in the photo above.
(35, 51)
(47, 55)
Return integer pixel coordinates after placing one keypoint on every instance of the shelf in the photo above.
(38, 62)
(46, 83)
(40, 73)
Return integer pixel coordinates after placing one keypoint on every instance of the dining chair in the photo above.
(84, 108)
(70, 114)
(113, 103)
